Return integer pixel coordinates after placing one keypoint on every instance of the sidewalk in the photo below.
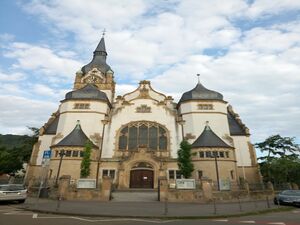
(146, 209)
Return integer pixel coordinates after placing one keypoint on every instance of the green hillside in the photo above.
(10, 141)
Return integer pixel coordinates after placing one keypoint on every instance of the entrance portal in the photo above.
(141, 178)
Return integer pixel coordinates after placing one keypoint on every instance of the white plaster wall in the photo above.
(126, 115)
(90, 119)
(45, 145)
(195, 119)
(242, 151)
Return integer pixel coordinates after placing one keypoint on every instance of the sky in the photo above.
(247, 50)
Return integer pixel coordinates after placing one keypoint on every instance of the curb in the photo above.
(163, 216)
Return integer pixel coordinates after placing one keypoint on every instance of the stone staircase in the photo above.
(134, 195)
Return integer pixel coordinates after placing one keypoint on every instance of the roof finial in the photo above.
(198, 75)
(207, 125)
(78, 124)
(103, 32)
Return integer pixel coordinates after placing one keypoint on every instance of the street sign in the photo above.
(47, 154)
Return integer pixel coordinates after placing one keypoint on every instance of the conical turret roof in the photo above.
(76, 138)
(209, 139)
(99, 59)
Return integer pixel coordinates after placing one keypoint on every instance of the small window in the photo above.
(201, 154)
(105, 173)
(81, 106)
(178, 174)
(200, 174)
(215, 154)
(227, 154)
(68, 153)
(75, 154)
(81, 153)
(221, 154)
(112, 174)
(205, 106)
(208, 154)
(108, 173)
(171, 174)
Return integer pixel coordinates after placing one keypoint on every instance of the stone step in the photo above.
(134, 196)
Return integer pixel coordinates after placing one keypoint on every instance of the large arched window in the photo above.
(143, 135)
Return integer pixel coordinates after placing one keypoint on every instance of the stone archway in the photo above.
(141, 176)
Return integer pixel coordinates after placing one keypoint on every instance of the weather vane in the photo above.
(103, 32)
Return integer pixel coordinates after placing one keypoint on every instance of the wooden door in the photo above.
(141, 179)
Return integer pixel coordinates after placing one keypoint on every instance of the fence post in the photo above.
(215, 207)
(268, 203)
(240, 205)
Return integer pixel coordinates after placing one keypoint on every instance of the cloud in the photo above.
(17, 113)
(241, 49)
(41, 59)
(13, 77)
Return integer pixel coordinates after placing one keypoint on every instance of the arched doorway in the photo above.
(141, 176)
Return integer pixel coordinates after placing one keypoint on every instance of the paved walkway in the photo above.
(144, 209)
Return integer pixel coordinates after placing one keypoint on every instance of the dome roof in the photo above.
(201, 93)
(87, 92)
(99, 59)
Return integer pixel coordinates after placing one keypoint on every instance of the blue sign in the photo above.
(47, 154)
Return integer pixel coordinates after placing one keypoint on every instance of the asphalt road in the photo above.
(9, 215)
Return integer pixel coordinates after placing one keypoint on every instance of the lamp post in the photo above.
(105, 121)
(61, 155)
(217, 169)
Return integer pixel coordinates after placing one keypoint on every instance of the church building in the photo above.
(135, 137)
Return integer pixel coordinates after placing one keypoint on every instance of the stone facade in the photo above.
(139, 133)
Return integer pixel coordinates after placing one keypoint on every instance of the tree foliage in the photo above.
(16, 150)
(184, 159)
(281, 162)
(86, 160)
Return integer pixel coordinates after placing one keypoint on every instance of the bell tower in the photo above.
(97, 72)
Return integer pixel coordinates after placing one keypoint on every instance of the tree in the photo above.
(184, 159)
(282, 159)
(86, 161)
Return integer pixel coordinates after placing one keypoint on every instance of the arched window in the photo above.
(143, 135)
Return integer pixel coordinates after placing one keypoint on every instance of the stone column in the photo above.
(295, 186)
(163, 189)
(106, 188)
(63, 186)
(207, 189)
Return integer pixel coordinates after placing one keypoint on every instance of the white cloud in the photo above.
(41, 59)
(271, 7)
(13, 77)
(17, 113)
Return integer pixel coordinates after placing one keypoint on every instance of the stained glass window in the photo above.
(143, 135)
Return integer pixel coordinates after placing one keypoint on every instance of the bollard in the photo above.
(268, 203)
(58, 202)
(215, 207)
(166, 206)
(240, 205)
(255, 205)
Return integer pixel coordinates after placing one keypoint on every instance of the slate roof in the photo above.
(235, 128)
(209, 139)
(99, 59)
(76, 138)
(52, 127)
(200, 93)
(89, 91)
